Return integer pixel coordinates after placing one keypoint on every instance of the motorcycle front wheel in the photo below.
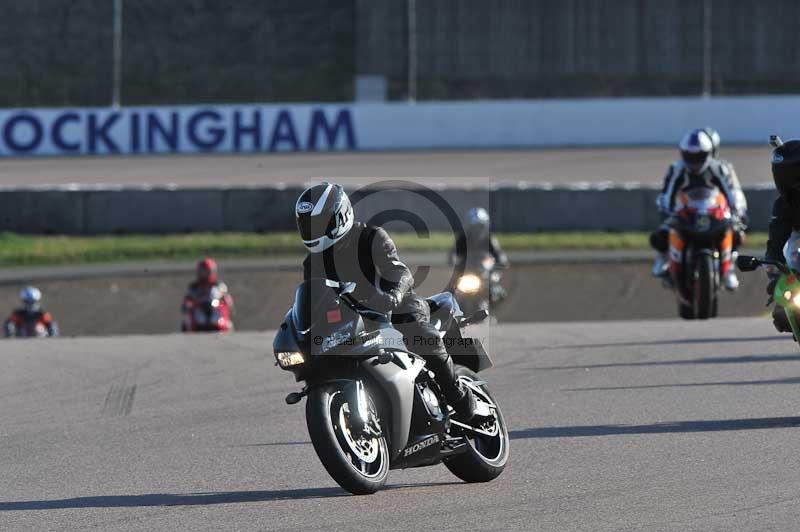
(705, 289)
(359, 463)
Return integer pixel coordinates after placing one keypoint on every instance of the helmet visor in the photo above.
(694, 161)
(313, 227)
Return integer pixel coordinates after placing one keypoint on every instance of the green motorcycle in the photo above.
(787, 289)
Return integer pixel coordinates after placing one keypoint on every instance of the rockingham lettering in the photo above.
(179, 129)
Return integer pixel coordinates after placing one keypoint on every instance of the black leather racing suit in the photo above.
(785, 219)
(367, 256)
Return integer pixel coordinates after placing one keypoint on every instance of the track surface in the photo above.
(147, 302)
(467, 167)
(615, 426)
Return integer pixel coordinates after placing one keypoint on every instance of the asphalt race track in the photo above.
(645, 165)
(659, 425)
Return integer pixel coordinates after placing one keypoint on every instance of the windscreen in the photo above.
(312, 298)
(701, 199)
(791, 251)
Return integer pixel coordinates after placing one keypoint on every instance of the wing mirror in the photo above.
(747, 263)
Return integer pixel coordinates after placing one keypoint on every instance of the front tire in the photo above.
(487, 455)
(705, 290)
(358, 464)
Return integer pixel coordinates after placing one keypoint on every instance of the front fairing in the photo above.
(701, 211)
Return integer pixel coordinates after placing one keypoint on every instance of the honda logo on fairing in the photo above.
(421, 445)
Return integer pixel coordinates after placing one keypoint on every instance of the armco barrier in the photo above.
(94, 210)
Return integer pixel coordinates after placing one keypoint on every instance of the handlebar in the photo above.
(359, 307)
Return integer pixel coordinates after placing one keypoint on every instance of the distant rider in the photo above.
(698, 167)
(477, 239)
(785, 215)
(199, 290)
(25, 319)
(343, 250)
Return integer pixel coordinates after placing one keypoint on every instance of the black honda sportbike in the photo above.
(371, 404)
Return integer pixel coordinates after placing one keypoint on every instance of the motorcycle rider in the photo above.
(31, 311)
(698, 167)
(477, 239)
(343, 250)
(785, 215)
(206, 280)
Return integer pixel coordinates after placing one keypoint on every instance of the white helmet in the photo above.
(30, 297)
(324, 215)
(696, 148)
(477, 221)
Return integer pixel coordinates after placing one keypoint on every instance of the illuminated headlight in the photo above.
(469, 284)
(796, 300)
(289, 358)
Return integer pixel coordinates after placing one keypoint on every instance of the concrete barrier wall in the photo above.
(95, 211)
(390, 126)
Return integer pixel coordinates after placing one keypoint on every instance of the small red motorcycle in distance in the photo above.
(210, 312)
(700, 250)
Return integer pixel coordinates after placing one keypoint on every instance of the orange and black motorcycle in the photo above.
(700, 250)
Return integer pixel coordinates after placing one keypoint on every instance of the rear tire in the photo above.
(358, 465)
(705, 291)
(487, 456)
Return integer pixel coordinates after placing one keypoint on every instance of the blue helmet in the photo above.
(30, 297)
(477, 221)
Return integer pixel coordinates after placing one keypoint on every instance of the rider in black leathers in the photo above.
(347, 251)
(785, 214)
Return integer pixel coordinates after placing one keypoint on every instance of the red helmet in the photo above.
(207, 271)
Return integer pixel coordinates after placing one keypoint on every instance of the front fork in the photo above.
(359, 409)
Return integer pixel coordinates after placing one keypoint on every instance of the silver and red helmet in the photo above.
(324, 215)
(696, 148)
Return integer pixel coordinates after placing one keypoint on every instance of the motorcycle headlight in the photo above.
(469, 284)
(288, 359)
(796, 299)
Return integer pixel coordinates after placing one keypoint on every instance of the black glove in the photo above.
(773, 280)
(771, 283)
(383, 301)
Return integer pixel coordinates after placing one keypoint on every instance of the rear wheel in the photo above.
(359, 463)
(704, 287)
(488, 444)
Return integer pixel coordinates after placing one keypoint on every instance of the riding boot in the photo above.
(459, 397)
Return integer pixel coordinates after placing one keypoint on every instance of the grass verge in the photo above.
(23, 250)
